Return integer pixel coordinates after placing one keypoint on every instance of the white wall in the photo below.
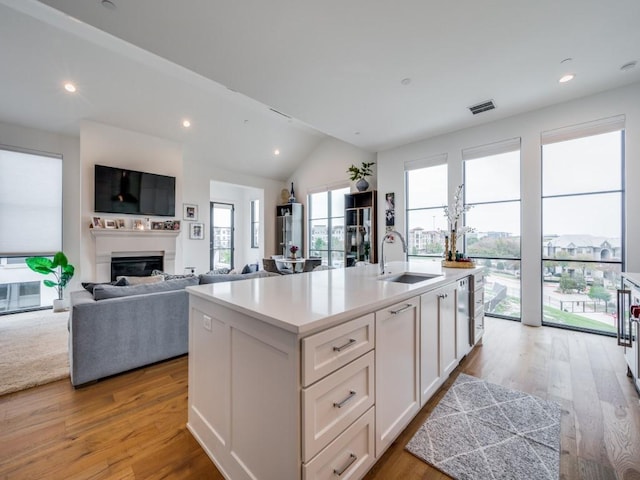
(529, 127)
(240, 197)
(107, 145)
(199, 171)
(69, 148)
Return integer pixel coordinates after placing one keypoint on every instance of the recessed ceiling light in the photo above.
(108, 4)
(70, 87)
(276, 152)
(628, 66)
(356, 133)
(186, 123)
(405, 81)
(567, 78)
(566, 60)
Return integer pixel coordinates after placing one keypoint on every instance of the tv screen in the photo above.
(127, 191)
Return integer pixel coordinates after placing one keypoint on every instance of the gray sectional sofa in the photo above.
(119, 328)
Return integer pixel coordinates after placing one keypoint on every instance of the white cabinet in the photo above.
(396, 370)
(437, 339)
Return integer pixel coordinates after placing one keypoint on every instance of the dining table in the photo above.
(295, 264)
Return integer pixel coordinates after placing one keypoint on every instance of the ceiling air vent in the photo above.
(482, 107)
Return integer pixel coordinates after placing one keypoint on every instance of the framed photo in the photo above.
(157, 225)
(138, 224)
(97, 222)
(110, 223)
(120, 222)
(190, 211)
(196, 231)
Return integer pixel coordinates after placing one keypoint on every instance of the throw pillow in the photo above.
(170, 276)
(102, 292)
(142, 280)
(89, 286)
(246, 269)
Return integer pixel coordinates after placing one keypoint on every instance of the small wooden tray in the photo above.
(454, 264)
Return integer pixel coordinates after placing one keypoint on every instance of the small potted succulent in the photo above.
(61, 269)
(360, 174)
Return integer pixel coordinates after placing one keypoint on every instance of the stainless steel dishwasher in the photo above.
(465, 333)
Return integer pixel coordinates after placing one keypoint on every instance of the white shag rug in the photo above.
(33, 349)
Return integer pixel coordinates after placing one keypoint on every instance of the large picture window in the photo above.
(31, 213)
(582, 226)
(426, 189)
(326, 226)
(492, 191)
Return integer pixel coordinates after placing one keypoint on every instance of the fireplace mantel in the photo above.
(112, 242)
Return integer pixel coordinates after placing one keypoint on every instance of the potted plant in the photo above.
(293, 249)
(60, 268)
(360, 175)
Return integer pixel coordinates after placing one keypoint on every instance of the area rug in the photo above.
(480, 430)
(33, 349)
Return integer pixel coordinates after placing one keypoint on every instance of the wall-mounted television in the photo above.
(127, 191)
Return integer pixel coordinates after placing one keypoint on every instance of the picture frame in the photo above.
(120, 222)
(157, 225)
(110, 223)
(138, 224)
(196, 231)
(189, 211)
(96, 222)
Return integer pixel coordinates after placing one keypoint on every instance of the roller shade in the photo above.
(432, 161)
(30, 203)
(497, 148)
(595, 127)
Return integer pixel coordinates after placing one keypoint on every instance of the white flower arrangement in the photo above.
(454, 212)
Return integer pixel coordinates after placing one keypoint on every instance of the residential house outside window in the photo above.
(492, 191)
(31, 213)
(582, 225)
(426, 190)
(326, 225)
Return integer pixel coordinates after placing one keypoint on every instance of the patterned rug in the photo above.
(484, 431)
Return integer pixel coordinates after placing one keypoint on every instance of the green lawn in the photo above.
(553, 315)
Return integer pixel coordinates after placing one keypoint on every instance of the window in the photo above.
(31, 213)
(326, 226)
(255, 223)
(222, 245)
(426, 189)
(582, 227)
(492, 191)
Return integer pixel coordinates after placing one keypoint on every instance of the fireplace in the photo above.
(139, 266)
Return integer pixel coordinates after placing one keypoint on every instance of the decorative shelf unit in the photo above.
(289, 228)
(360, 214)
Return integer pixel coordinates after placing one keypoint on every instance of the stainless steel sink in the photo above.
(409, 277)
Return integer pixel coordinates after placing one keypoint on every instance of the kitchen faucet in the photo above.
(388, 234)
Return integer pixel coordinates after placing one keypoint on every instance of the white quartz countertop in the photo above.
(308, 302)
(632, 277)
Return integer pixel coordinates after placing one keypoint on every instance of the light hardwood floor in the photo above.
(132, 426)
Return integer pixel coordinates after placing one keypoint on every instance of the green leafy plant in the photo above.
(356, 173)
(59, 267)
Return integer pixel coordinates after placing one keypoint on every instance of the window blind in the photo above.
(510, 145)
(595, 127)
(30, 203)
(432, 161)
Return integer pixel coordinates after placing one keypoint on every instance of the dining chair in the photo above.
(269, 265)
(311, 263)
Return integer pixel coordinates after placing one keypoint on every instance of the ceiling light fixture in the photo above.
(276, 152)
(405, 81)
(70, 87)
(186, 123)
(567, 78)
(628, 66)
(108, 4)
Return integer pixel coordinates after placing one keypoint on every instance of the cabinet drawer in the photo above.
(332, 404)
(329, 350)
(478, 280)
(348, 456)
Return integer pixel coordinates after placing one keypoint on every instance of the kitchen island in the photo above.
(314, 375)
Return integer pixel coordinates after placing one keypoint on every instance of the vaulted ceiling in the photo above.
(371, 73)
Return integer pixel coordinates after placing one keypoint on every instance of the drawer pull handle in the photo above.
(346, 345)
(400, 310)
(352, 458)
(341, 404)
(443, 295)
